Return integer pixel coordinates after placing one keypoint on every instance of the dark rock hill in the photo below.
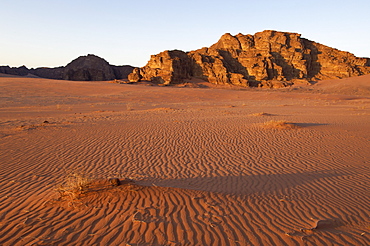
(88, 68)
(84, 68)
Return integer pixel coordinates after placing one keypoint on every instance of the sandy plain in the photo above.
(204, 169)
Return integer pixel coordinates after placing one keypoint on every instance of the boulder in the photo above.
(114, 181)
(134, 76)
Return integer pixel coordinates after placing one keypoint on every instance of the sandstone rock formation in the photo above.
(84, 68)
(165, 68)
(268, 59)
(134, 76)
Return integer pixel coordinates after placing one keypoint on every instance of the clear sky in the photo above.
(51, 33)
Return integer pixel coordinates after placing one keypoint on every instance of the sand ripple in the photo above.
(202, 177)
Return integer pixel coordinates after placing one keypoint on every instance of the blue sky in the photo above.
(51, 33)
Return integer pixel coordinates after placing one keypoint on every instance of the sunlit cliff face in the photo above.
(267, 58)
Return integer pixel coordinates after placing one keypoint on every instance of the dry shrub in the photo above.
(279, 124)
(74, 185)
(260, 114)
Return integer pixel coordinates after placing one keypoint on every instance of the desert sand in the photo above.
(205, 169)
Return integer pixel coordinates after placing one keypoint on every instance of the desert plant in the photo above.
(260, 114)
(74, 184)
(278, 124)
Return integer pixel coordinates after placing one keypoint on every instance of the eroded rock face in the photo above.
(268, 59)
(165, 68)
(134, 76)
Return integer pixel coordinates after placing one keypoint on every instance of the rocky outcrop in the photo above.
(50, 73)
(20, 71)
(268, 59)
(134, 76)
(84, 68)
(88, 68)
(165, 68)
(122, 72)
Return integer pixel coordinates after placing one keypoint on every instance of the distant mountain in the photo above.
(84, 68)
(265, 59)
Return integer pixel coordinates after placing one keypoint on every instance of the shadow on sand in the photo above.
(244, 184)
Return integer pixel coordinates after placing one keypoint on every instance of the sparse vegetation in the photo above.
(260, 114)
(129, 106)
(279, 124)
(78, 185)
(74, 185)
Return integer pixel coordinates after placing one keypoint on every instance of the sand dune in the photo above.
(351, 86)
(204, 171)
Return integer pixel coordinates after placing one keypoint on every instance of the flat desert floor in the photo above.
(204, 169)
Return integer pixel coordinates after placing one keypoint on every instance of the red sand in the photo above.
(205, 171)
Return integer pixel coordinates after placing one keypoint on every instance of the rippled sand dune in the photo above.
(204, 169)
